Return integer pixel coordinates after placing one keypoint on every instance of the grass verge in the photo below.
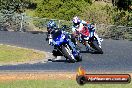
(57, 84)
(14, 54)
(48, 80)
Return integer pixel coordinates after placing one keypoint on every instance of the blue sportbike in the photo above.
(63, 46)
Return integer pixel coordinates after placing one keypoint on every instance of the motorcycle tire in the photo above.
(56, 53)
(78, 58)
(68, 54)
(96, 47)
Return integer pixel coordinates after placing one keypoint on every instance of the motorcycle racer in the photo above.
(81, 26)
(51, 27)
(60, 37)
(53, 31)
(77, 24)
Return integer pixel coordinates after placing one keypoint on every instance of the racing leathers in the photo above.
(89, 27)
(51, 27)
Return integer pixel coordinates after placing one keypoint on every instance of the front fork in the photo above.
(98, 39)
(72, 45)
(93, 33)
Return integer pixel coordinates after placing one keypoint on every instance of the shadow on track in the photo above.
(36, 32)
(91, 52)
(60, 60)
(55, 60)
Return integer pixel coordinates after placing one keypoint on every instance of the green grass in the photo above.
(56, 84)
(14, 54)
(29, 12)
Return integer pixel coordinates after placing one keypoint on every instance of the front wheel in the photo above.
(96, 47)
(56, 53)
(68, 53)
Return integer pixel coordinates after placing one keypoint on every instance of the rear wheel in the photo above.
(78, 58)
(68, 53)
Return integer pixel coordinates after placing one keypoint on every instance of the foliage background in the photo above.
(108, 12)
(118, 12)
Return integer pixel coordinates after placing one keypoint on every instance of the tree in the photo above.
(13, 5)
(114, 2)
(88, 1)
(60, 9)
(11, 13)
(122, 4)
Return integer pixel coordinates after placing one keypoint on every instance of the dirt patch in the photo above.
(37, 76)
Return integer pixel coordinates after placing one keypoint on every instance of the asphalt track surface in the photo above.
(117, 55)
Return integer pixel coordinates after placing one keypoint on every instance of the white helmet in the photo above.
(76, 21)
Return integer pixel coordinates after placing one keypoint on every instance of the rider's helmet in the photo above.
(91, 26)
(76, 21)
(51, 24)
